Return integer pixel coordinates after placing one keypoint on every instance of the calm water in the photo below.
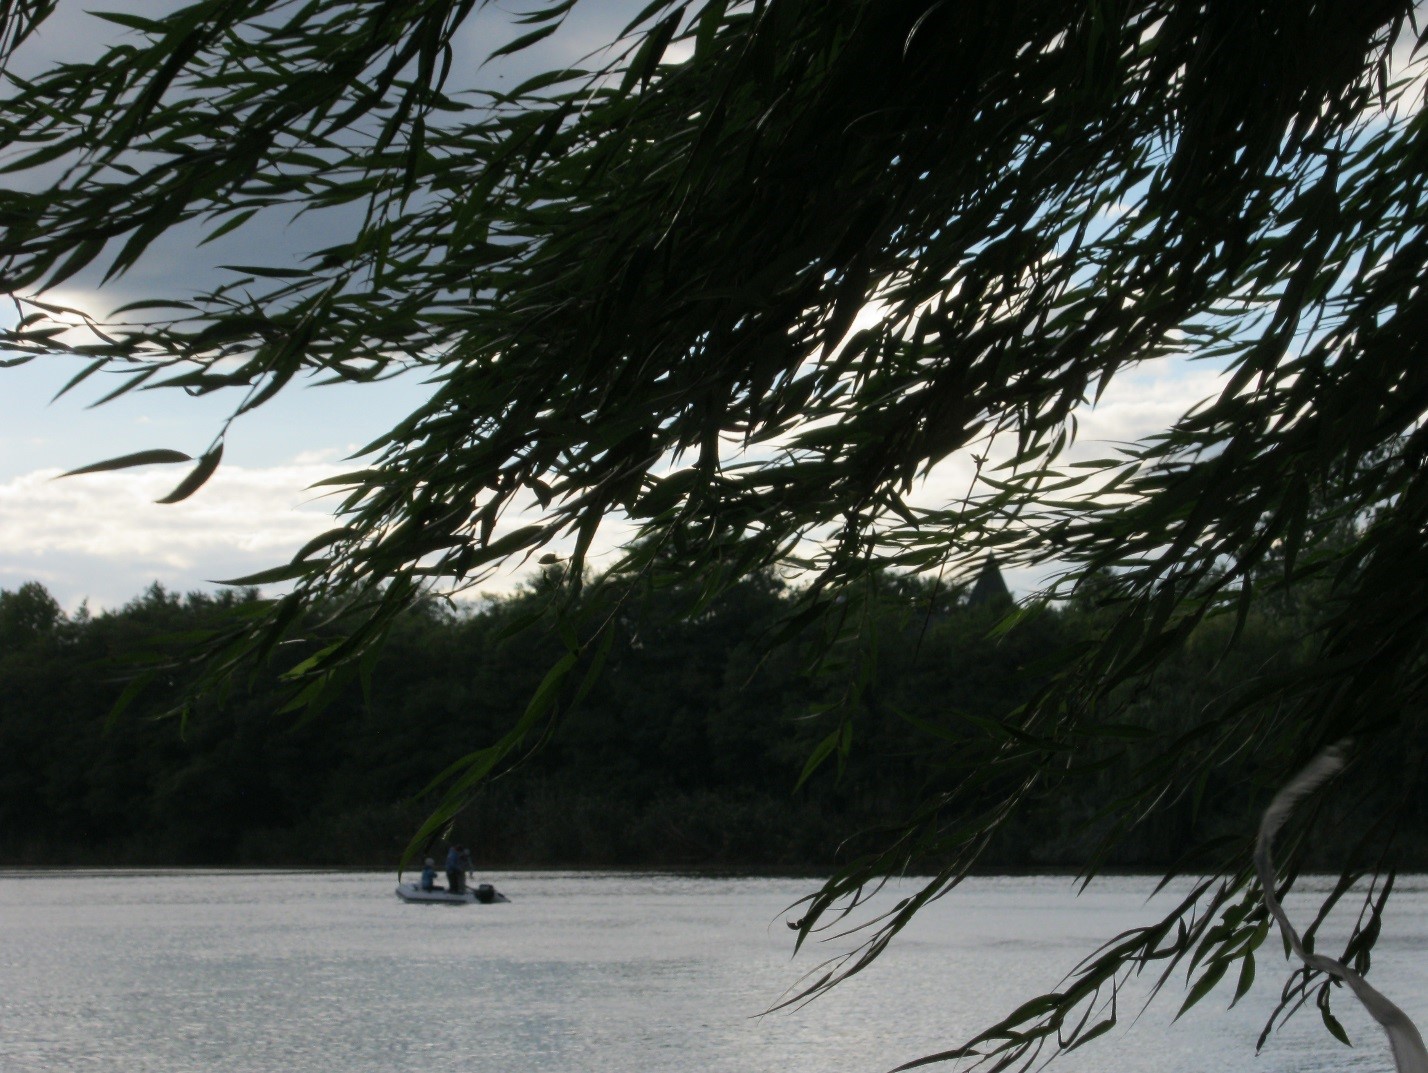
(307, 972)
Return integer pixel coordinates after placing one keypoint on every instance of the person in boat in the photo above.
(428, 876)
(458, 861)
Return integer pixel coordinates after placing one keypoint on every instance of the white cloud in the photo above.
(323, 455)
(1145, 400)
(102, 537)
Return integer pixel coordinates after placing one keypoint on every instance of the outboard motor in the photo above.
(485, 893)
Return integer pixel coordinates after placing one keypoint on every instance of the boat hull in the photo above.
(484, 894)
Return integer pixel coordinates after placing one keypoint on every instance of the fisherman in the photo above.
(428, 876)
(457, 861)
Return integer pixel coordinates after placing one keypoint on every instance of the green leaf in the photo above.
(1332, 1024)
(524, 41)
(650, 52)
(269, 272)
(196, 478)
(1208, 979)
(132, 689)
(543, 700)
(546, 80)
(278, 573)
(129, 22)
(237, 220)
(153, 303)
(323, 540)
(156, 457)
(710, 19)
(1246, 979)
(821, 752)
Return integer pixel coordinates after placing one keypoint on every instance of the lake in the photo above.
(299, 972)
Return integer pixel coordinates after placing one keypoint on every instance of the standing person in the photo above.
(455, 872)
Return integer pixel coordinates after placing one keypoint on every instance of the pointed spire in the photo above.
(989, 587)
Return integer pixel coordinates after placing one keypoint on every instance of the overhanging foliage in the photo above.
(748, 282)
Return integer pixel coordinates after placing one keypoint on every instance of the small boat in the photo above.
(481, 894)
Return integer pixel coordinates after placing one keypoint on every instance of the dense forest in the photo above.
(686, 750)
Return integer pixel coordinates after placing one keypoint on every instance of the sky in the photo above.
(101, 539)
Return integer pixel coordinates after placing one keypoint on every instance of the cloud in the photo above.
(1145, 400)
(103, 538)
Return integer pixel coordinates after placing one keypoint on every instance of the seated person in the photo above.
(428, 876)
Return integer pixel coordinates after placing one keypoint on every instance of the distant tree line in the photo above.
(688, 749)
